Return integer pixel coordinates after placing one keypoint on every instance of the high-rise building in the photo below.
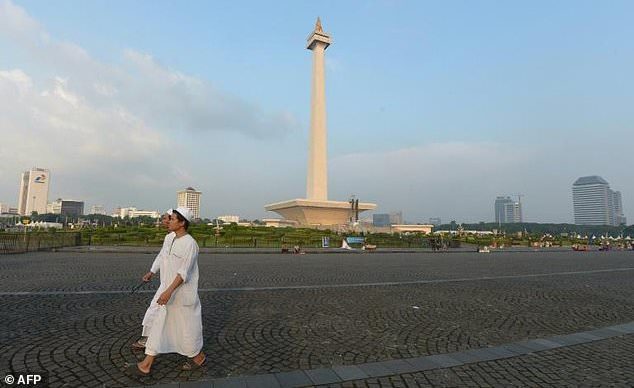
(66, 207)
(381, 219)
(595, 203)
(619, 217)
(384, 219)
(33, 191)
(507, 211)
(190, 198)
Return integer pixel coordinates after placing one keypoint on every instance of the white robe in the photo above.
(177, 326)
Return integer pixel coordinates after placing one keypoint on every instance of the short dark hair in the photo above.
(181, 218)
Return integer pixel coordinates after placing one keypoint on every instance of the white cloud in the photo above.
(15, 20)
(63, 130)
(83, 118)
(163, 97)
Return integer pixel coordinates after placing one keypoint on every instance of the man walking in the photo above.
(173, 322)
(165, 220)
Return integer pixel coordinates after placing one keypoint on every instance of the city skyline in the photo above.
(446, 107)
(608, 209)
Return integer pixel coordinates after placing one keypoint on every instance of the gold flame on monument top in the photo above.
(318, 35)
(318, 25)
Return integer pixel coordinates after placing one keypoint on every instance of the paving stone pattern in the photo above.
(599, 364)
(84, 339)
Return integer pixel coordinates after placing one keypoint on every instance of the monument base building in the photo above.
(308, 212)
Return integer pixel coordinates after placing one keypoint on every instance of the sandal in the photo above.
(134, 370)
(193, 365)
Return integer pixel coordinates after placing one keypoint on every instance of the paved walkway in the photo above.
(523, 363)
(379, 319)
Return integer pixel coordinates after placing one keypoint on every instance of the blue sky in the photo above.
(434, 108)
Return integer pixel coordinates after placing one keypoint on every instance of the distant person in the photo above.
(165, 219)
(173, 322)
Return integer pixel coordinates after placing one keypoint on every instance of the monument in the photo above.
(316, 209)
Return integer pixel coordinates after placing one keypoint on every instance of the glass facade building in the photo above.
(507, 211)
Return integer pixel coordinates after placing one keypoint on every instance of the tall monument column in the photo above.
(317, 176)
(316, 210)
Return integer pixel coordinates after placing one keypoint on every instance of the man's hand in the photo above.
(148, 276)
(164, 298)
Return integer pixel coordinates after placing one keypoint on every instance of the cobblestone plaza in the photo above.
(532, 318)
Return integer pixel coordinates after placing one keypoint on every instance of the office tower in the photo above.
(66, 207)
(190, 198)
(381, 220)
(507, 211)
(595, 203)
(33, 191)
(619, 217)
(384, 219)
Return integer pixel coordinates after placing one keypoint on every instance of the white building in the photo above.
(54, 207)
(6, 209)
(98, 209)
(145, 213)
(33, 191)
(595, 203)
(190, 198)
(229, 219)
(132, 212)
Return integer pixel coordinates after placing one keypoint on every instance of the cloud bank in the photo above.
(83, 118)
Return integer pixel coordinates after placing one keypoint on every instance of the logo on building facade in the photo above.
(40, 178)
